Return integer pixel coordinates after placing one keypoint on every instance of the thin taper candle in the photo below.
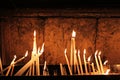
(98, 67)
(85, 63)
(80, 63)
(67, 62)
(101, 66)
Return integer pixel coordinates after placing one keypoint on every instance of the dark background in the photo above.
(58, 3)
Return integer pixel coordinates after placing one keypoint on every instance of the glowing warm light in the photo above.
(15, 56)
(89, 58)
(65, 51)
(105, 62)
(26, 54)
(107, 72)
(96, 52)
(38, 50)
(73, 33)
(14, 59)
(34, 33)
(42, 49)
(84, 51)
(99, 53)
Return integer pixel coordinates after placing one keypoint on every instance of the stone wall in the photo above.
(96, 29)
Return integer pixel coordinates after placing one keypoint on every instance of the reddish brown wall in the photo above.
(95, 29)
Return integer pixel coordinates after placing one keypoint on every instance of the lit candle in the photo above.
(105, 62)
(16, 61)
(79, 58)
(67, 62)
(34, 43)
(78, 70)
(11, 65)
(97, 61)
(101, 66)
(42, 50)
(61, 69)
(89, 64)
(21, 58)
(86, 71)
(29, 64)
(39, 54)
(72, 48)
(93, 68)
(34, 52)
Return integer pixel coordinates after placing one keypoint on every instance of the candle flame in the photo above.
(13, 59)
(73, 33)
(89, 58)
(38, 50)
(105, 62)
(15, 56)
(84, 51)
(96, 52)
(42, 49)
(26, 54)
(65, 51)
(99, 53)
(107, 72)
(34, 33)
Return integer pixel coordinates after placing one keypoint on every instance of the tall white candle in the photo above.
(34, 43)
(34, 52)
(67, 62)
(85, 63)
(80, 63)
(101, 66)
(72, 56)
(98, 67)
